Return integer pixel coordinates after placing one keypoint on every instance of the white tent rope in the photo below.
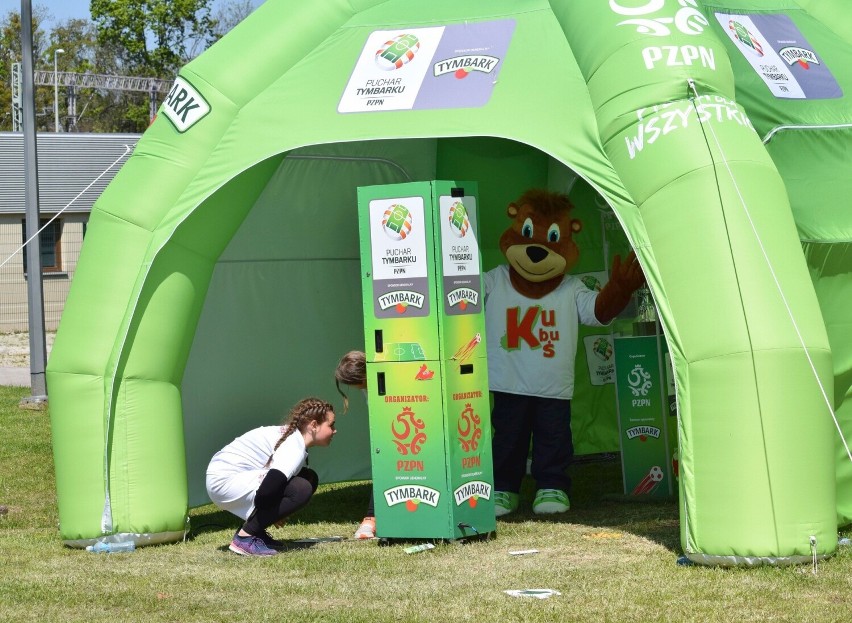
(825, 397)
(127, 149)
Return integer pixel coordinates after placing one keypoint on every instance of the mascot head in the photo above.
(539, 244)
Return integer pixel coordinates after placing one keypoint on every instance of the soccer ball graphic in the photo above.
(591, 282)
(397, 221)
(459, 221)
(742, 34)
(602, 349)
(397, 52)
(655, 473)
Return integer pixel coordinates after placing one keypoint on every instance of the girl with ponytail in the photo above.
(262, 476)
(352, 371)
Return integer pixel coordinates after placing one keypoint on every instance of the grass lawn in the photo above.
(610, 559)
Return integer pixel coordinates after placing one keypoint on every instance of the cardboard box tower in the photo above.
(427, 377)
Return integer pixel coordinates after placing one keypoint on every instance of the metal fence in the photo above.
(60, 250)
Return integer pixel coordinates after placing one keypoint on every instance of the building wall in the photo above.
(55, 284)
(73, 171)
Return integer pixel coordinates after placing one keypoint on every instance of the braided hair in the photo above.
(301, 415)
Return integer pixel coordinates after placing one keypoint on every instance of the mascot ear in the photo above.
(576, 226)
(512, 210)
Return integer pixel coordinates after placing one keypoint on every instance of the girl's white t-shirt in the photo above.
(236, 471)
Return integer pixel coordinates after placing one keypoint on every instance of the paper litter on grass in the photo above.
(523, 552)
(537, 593)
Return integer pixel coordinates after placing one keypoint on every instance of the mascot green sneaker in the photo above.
(548, 501)
(505, 502)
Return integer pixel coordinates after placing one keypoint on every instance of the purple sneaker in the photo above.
(250, 546)
(271, 542)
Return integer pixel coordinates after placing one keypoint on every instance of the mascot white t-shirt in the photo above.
(532, 343)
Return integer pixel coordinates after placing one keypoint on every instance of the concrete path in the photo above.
(15, 377)
(15, 357)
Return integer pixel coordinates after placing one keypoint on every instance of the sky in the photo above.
(61, 9)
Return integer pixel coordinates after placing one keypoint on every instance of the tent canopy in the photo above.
(220, 276)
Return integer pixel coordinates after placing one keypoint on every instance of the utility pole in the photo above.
(56, 54)
(35, 295)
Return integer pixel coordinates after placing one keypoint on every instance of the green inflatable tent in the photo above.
(220, 278)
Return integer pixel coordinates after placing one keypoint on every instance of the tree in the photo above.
(230, 14)
(10, 52)
(157, 36)
(97, 110)
(126, 38)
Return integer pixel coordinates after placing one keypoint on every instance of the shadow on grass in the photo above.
(597, 501)
(335, 503)
(297, 544)
(210, 519)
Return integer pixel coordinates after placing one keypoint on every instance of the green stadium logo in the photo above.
(459, 221)
(591, 282)
(397, 52)
(602, 349)
(745, 37)
(397, 222)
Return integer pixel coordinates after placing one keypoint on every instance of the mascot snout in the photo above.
(536, 253)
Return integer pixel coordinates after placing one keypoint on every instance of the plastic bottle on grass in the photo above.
(111, 548)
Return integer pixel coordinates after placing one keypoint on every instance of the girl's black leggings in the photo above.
(277, 498)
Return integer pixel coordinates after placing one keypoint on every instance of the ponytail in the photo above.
(351, 370)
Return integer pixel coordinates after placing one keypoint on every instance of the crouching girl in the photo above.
(262, 477)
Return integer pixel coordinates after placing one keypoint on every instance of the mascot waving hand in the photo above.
(532, 312)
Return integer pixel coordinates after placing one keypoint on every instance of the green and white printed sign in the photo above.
(642, 417)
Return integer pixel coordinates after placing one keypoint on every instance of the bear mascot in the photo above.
(532, 311)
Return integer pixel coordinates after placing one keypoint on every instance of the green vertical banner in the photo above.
(643, 417)
(427, 377)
